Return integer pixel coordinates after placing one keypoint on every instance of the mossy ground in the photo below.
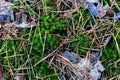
(21, 56)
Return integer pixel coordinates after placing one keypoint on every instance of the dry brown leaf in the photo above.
(20, 77)
(24, 20)
(5, 4)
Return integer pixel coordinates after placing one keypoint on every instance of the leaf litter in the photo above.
(10, 23)
(71, 65)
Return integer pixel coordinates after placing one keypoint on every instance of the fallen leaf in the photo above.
(96, 72)
(3, 3)
(98, 11)
(25, 25)
(23, 20)
(69, 56)
(117, 16)
(6, 13)
(92, 1)
(19, 77)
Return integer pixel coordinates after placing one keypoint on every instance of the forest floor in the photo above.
(42, 29)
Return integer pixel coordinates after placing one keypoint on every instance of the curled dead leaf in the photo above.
(24, 20)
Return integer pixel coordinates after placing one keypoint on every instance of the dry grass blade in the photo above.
(2, 73)
(60, 62)
(116, 43)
